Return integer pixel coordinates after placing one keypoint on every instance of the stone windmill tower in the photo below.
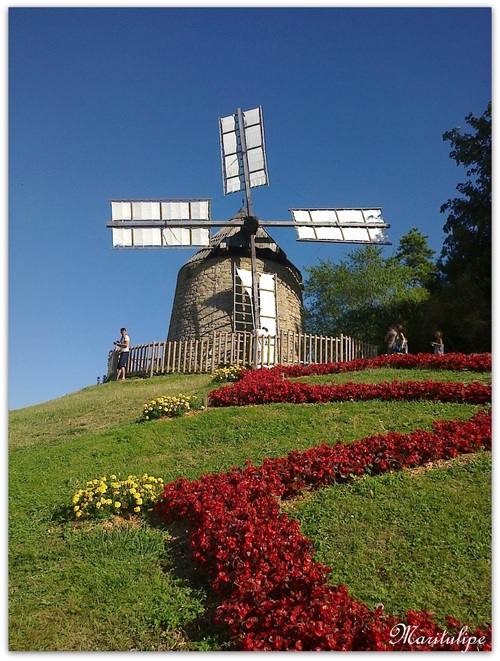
(214, 287)
(241, 279)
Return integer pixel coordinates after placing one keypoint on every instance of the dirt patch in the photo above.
(442, 463)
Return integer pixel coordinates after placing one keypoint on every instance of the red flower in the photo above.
(274, 594)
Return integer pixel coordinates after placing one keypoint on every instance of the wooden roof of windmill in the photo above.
(234, 240)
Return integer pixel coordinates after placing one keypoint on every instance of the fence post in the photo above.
(212, 354)
(151, 369)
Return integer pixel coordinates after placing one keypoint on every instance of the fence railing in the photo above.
(222, 349)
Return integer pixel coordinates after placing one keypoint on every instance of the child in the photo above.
(438, 344)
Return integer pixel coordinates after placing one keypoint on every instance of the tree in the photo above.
(467, 246)
(365, 293)
(465, 261)
(413, 251)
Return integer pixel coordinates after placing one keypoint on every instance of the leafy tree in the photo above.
(465, 262)
(413, 251)
(365, 293)
(467, 246)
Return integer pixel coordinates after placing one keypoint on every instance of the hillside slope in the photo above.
(98, 587)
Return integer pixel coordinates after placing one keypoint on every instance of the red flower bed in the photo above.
(266, 386)
(451, 361)
(275, 595)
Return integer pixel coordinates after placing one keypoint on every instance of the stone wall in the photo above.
(204, 301)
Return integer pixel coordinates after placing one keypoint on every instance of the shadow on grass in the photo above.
(63, 514)
(181, 564)
(201, 633)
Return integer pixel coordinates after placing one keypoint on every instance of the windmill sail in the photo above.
(143, 223)
(235, 146)
(340, 225)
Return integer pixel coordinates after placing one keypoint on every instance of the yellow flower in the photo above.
(137, 509)
(118, 504)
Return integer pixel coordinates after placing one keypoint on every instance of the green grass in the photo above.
(387, 374)
(410, 540)
(97, 408)
(102, 588)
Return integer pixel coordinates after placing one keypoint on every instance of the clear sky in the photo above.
(122, 102)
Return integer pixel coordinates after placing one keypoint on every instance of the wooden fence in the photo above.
(223, 349)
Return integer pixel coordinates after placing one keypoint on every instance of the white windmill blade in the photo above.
(361, 225)
(184, 210)
(237, 145)
(143, 223)
(157, 237)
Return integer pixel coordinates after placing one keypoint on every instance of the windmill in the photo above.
(187, 223)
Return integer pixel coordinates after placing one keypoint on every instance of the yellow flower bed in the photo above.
(168, 406)
(105, 496)
(231, 373)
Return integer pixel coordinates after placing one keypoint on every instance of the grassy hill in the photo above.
(119, 586)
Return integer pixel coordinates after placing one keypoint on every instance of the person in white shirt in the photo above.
(259, 332)
(124, 344)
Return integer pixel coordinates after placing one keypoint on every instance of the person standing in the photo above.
(401, 343)
(390, 339)
(124, 345)
(439, 343)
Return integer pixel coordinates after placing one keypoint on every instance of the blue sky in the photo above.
(122, 102)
